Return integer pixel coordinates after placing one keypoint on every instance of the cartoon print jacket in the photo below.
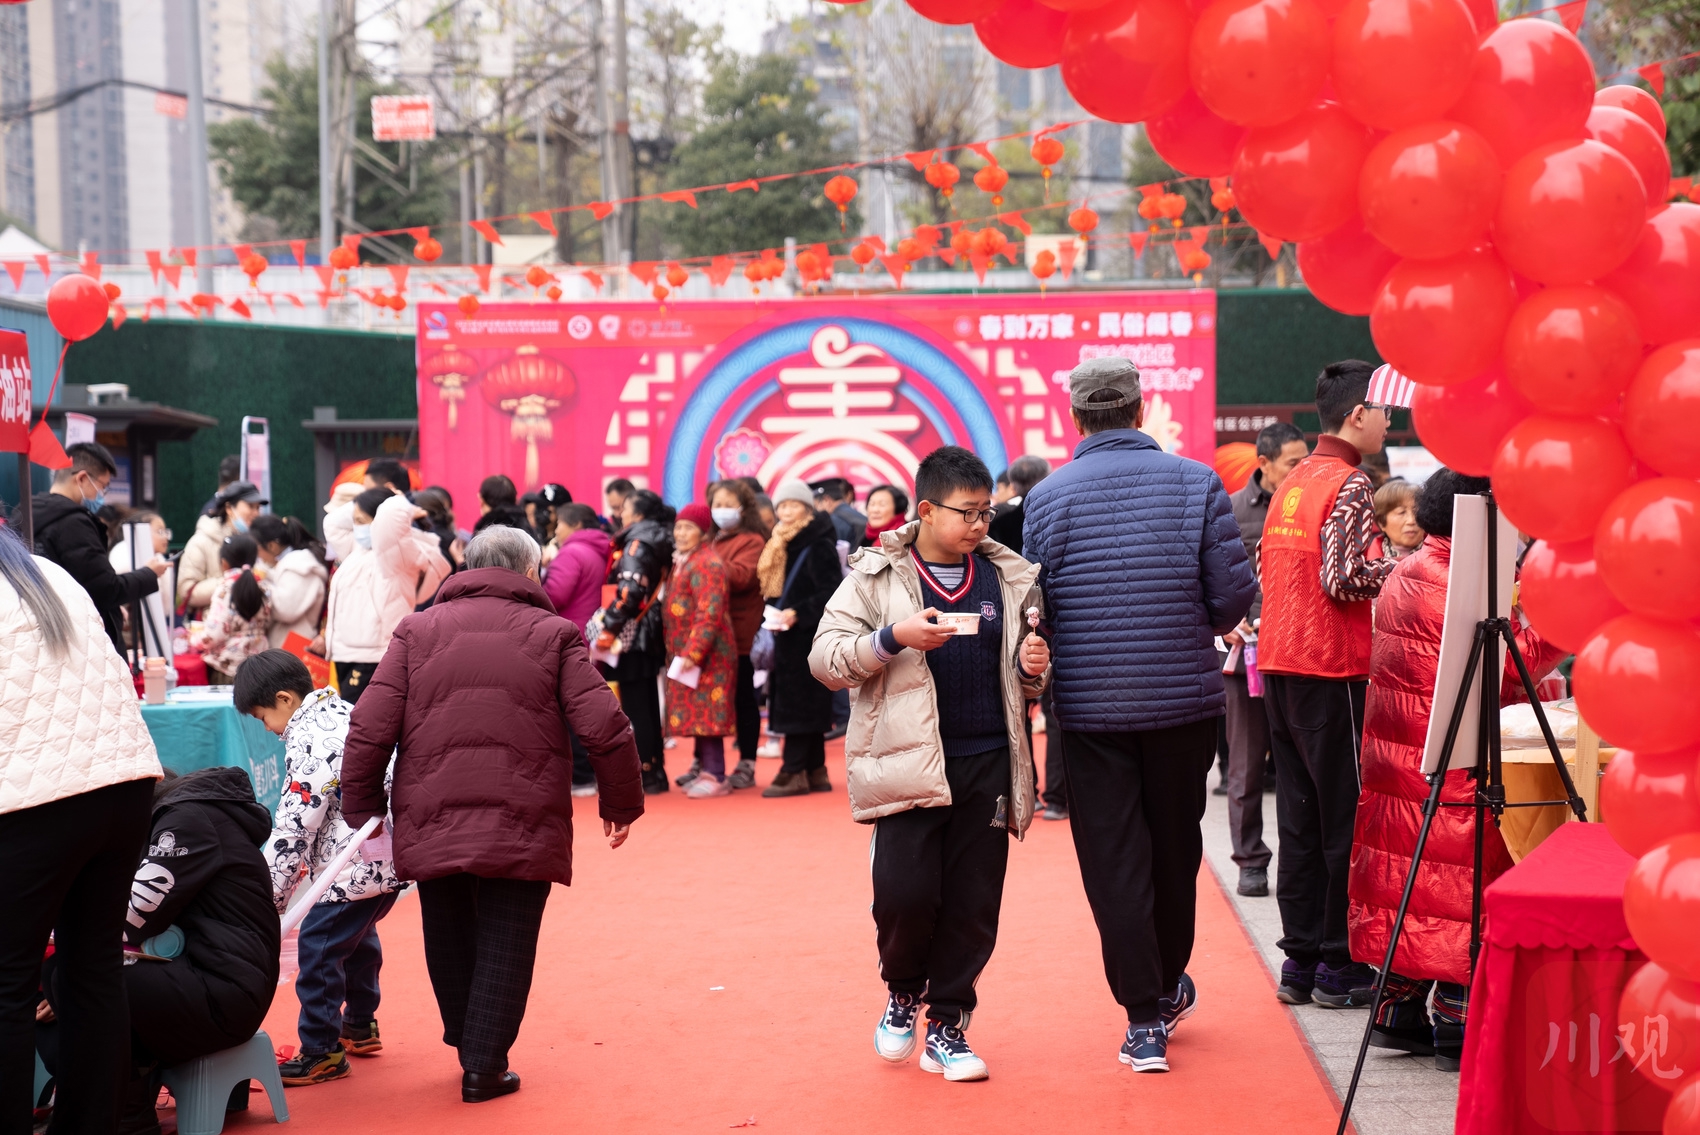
(308, 830)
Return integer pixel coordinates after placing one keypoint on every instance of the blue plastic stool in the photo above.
(202, 1087)
(42, 1076)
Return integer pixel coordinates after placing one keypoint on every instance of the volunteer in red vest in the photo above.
(1313, 650)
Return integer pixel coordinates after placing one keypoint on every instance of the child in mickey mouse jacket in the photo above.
(339, 950)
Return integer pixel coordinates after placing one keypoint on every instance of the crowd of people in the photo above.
(1149, 618)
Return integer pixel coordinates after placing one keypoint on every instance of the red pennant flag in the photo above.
(1009, 252)
(1016, 221)
(1270, 245)
(1679, 187)
(645, 271)
(593, 278)
(876, 240)
(188, 255)
(324, 299)
(45, 449)
(599, 209)
(1153, 190)
(544, 221)
(948, 255)
(147, 313)
(398, 273)
(922, 159)
(294, 299)
(1570, 15)
(1066, 252)
(91, 264)
(440, 290)
(153, 263)
(422, 232)
(270, 298)
(719, 270)
(1217, 184)
(482, 271)
(487, 231)
(119, 315)
(1136, 241)
(1200, 233)
(298, 249)
(242, 252)
(984, 150)
(979, 261)
(752, 185)
(351, 241)
(173, 274)
(896, 265)
(676, 196)
(324, 272)
(15, 269)
(43, 262)
(1654, 73)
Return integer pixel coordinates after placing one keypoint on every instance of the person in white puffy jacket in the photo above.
(387, 568)
(77, 771)
(298, 578)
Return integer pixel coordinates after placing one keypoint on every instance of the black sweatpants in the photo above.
(1315, 731)
(938, 886)
(480, 947)
(749, 713)
(640, 697)
(1135, 800)
(1056, 774)
(69, 864)
(1248, 748)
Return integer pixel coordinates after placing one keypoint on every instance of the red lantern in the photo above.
(1172, 207)
(1126, 60)
(1044, 266)
(553, 291)
(1430, 191)
(841, 191)
(943, 176)
(468, 305)
(428, 250)
(677, 274)
(1561, 591)
(252, 266)
(1570, 212)
(1633, 137)
(1648, 548)
(1259, 62)
(1555, 476)
(113, 291)
(1344, 269)
(660, 292)
(1659, 409)
(910, 249)
(808, 267)
(1298, 180)
(1442, 321)
(991, 179)
(991, 241)
(452, 371)
(1400, 62)
(530, 386)
(961, 242)
(343, 258)
(77, 306)
(863, 254)
(537, 275)
(1194, 139)
(1223, 201)
(1572, 350)
(1047, 152)
(1083, 220)
(755, 275)
(1533, 83)
(1023, 33)
(398, 303)
(1463, 424)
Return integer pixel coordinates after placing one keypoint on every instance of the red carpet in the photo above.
(768, 901)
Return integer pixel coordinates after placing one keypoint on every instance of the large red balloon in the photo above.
(1555, 476)
(1648, 548)
(1430, 191)
(1485, 14)
(1661, 903)
(1630, 135)
(78, 306)
(1023, 33)
(1298, 179)
(1463, 424)
(1074, 5)
(1646, 798)
(1442, 321)
(1401, 62)
(1344, 268)
(1562, 593)
(954, 11)
(1569, 212)
(1126, 61)
(1194, 140)
(1572, 350)
(1259, 62)
(1636, 101)
(1682, 1114)
(1533, 83)
(1661, 406)
(1658, 1006)
(1661, 279)
(1635, 681)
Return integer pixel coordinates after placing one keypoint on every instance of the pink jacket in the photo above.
(573, 579)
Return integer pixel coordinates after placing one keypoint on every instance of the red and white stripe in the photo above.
(1387, 387)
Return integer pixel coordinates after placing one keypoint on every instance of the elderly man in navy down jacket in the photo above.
(1143, 567)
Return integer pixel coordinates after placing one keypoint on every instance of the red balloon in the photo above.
(1126, 61)
(1074, 5)
(1298, 180)
(1646, 798)
(1661, 903)
(1635, 681)
(1430, 191)
(1682, 1114)
(1572, 350)
(1533, 83)
(1555, 476)
(1194, 140)
(1484, 14)
(1648, 548)
(1570, 212)
(955, 11)
(1661, 279)
(1462, 425)
(1562, 593)
(1636, 101)
(1442, 321)
(77, 305)
(1023, 33)
(1630, 135)
(1344, 268)
(1259, 62)
(1659, 410)
(1655, 1001)
(1401, 62)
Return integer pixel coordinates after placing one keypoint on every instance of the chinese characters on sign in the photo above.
(15, 392)
(403, 118)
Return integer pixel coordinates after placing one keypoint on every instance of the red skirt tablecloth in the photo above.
(1542, 1052)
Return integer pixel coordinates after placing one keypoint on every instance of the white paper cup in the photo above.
(962, 622)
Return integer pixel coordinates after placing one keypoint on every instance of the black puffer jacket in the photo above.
(70, 536)
(203, 873)
(646, 558)
(798, 703)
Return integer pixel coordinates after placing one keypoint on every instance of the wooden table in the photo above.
(1529, 775)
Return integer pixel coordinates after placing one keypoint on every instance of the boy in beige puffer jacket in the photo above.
(931, 626)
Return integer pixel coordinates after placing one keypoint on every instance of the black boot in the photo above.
(1448, 1047)
(136, 1114)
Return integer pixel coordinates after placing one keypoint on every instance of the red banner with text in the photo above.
(15, 392)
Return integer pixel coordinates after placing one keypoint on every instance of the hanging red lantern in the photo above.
(677, 275)
(553, 291)
(910, 249)
(660, 292)
(468, 305)
(1223, 200)
(1172, 206)
(1044, 266)
(863, 254)
(537, 276)
(991, 180)
(1152, 207)
(252, 265)
(1083, 220)
(1047, 152)
(398, 303)
(343, 258)
(961, 241)
(808, 267)
(530, 386)
(113, 291)
(428, 249)
(754, 273)
(451, 370)
(841, 191)
(943, 176)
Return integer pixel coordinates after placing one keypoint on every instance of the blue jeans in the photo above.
(340, 957)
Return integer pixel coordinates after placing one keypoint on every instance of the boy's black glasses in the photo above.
(969, 515)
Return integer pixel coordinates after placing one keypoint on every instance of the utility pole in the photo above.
(327, 202)
(200, 204)
(622, 131)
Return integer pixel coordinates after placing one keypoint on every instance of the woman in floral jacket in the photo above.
(704, 672)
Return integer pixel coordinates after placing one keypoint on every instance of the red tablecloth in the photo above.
(1542, 1052)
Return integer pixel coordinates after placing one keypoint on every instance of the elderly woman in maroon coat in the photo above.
(475, 695)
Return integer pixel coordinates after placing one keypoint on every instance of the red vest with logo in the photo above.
(1305, 631)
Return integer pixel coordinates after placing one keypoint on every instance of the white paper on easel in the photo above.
(1467, 605)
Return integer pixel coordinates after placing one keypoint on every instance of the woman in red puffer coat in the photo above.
(1434, 950)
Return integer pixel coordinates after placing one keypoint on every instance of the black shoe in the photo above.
(1221, 788)
(1418, 1040)
(1448, 1047)
(1254, 882)
(313, 1068)
(1351, 986)
(818, 781)
(360, 1039)
(836, 732)
(1298, 982)
(655, 784)
(136, 1114)
(481, 1087)
(744, 776)
(1054, 812)
(238, 1100)
(1179, 1007)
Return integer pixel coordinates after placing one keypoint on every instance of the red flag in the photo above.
(324, 299)
(91, 264)
(681, 195)
(422, 232)
(896, 265)
(1016, 221)
(298, 249)
(922, 159)
(119, 315)
(948, 255)
(979, 261)
(1150, 190)
(599, 209)
(645, 271)
(45, 449)
(1570, 15)
(593, 277)
(482, 271)
(43, 262)
(188, 255)
(242, 251)
(324, 272)
(1654, 73)
(190, 308)
(398, 273)
(1679, 187)
(1270, 245)
(487, 231)
(173, 274)
(1009, 252)
(984, 150)
(1199, 233)
(1136, 241)
(1066, 252)
(15, 269)
(752, 185)
(719, 270)
(440, 290)
(153, 263)
(544, 221)
(351, 241)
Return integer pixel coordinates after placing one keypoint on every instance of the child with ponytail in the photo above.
(240, 614)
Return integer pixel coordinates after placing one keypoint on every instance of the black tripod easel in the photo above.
(1489, 797)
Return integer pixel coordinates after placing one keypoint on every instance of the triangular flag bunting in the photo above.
(719, 270)
(43, 262)
(984, 150)
(173, 274)
(1066, 252)
(324, 272)
(91, 264)
(439, 289)
(153, 263)
(45, 449)
(119, 315)
(15, 269)
(1009, 252)
(922, 159)
(1136, 241)
(876, 240)
(680, 195)
(294, 299)
(1217, 184)
(645, 270)
(1146, 191)
(324, 299)
(351, 241)
(599, 209)
(948, 255)
(1654, 73)
(421, 232)
(544, 221)
(593, 278)
(1016, 221)
(1199, 233)
(487, 231)
(482, 271)
(896, 265)
(1570, 15)
(298, 249)
(188, 255)
(1679, 187)
(752, 185)
(1270, 245)
(242, 252)
(978, 261)
(398, 273)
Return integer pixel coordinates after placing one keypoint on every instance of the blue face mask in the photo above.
(94, 504)
(239, 524)
(363, 535)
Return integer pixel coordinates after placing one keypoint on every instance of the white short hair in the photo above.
(503, 547)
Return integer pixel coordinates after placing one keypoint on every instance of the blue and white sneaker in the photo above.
(1146, 1048)
(894, 1036)
(947, 1051)
(1179, 1007)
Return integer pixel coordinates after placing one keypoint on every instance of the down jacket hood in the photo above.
(228, 789)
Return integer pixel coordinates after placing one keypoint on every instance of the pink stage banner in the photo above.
(672, 398)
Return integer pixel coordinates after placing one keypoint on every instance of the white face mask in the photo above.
(363, 535)
(726, 517)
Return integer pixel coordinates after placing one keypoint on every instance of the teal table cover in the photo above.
(198, 728)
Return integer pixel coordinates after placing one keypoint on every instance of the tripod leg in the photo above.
(1575, 798)
(1431, 806)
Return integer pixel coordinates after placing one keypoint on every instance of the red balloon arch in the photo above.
(1502, 222)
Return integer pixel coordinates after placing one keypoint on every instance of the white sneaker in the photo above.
(771, 749)
(706, 785)
(894, 1037)
(947, 1051)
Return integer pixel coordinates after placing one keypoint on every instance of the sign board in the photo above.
(861, 387)
(257, 457)
(15, 392)
(169, 105)
(403, 118)
(79, 428)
